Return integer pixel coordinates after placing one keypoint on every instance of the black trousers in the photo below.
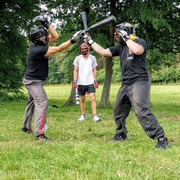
(136, 96)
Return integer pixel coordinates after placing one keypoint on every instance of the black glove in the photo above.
(87, 39)
(43, 20)
(77, 36)
(124, 35)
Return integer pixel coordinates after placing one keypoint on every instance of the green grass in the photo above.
(82, 150)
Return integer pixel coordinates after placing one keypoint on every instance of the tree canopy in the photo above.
(156, 21)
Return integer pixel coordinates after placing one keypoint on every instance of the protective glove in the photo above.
(75, 85)
(87, 39)
(43, 20)
(96, 85)
(77, 36)
(124, 35)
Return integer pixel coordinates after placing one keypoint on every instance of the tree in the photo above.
(15, 21)
(154, 21)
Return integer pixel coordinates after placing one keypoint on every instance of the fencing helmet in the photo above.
(36, 32)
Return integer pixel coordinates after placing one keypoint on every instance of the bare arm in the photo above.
(75, 73)
(100, 50)
(94, 73)
(53, 34)
(135, 47)
(55, 49)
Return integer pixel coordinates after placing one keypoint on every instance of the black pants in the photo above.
(136, 96)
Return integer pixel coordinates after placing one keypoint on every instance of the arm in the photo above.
(135, 47)
(94, 73)
(75, 73)
(55, 49)
(44, 21)
(100, 50)
(53, 34)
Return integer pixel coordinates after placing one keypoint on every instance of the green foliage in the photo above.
(168, 75)
(116, 76)
(13, 44)
(156, 22)
(157, 59)
(13, 96)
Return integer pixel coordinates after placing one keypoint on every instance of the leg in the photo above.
(82, 98)
(140, 100)
(93, 102)
(29, 110)
(122, 108)
(41, 106)
(92, 93)
(83, 104)
(93, 106)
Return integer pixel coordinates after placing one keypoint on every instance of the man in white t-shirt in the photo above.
(85, 80)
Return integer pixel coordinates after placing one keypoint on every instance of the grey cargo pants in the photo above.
(38, 104)
(136, 96)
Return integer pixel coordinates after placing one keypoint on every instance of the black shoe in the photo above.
(162, 143)
(119, 137)
(41, 137)
(26, 130)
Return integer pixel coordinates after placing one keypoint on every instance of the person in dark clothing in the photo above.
(37, 72)
(135, 89)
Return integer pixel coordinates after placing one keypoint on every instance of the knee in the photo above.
(142, 112)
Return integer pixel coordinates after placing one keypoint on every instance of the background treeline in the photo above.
(155, 21)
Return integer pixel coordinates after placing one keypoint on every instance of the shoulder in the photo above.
(77, 58)
(38, 49)
(92, 56)
(115, 50)
(142, 42)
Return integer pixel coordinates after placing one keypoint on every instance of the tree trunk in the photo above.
(107, 83)
(108, 71)
(71, 99)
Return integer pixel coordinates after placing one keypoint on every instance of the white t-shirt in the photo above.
(86, 66)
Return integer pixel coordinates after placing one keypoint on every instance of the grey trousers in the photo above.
(37, 104)
(136, 96)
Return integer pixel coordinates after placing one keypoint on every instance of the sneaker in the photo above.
(82, 118)
(162, 143)
(96, 118)
(119, 137)
(26, 130)
(41, 137)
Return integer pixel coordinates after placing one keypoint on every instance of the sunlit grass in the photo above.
(82, 150)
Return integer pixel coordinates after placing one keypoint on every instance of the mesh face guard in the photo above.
(126, 27)
(35, 34)
(84, 49)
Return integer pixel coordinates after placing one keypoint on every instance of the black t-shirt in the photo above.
(37, 63)
(133, 66)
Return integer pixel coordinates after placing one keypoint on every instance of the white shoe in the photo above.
(96, 118)
(82, 118)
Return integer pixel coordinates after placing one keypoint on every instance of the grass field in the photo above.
(82, 150)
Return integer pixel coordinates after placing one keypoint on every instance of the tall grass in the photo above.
(82, 150)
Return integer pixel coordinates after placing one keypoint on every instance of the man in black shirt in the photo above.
(37, 72)
(134, 91)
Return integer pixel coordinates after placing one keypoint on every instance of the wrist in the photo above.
(72, 41)
(126, 38)
(90, 42)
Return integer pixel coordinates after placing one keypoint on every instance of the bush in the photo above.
(168, 75)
